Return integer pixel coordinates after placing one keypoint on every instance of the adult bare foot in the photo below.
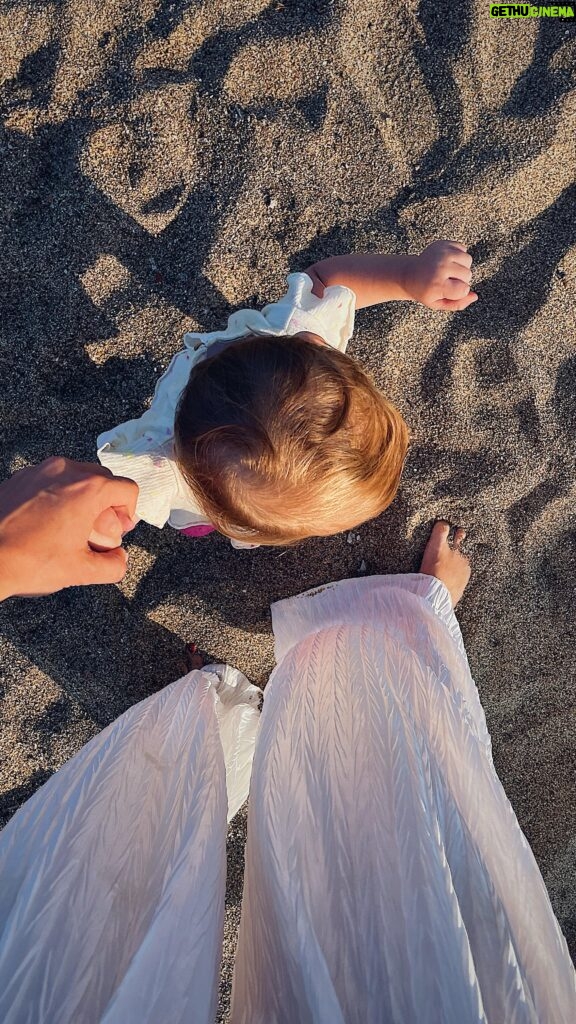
(446, 562)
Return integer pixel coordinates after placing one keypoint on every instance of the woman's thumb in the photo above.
(106, 566)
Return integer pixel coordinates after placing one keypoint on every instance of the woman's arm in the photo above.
(439, 277)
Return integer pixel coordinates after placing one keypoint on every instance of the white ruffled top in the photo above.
(142, 449)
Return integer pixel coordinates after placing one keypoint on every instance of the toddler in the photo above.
(266, 430)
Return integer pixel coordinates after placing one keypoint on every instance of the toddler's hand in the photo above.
(440, 276)
(109, 529)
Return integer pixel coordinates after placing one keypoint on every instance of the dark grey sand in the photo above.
(164, 163)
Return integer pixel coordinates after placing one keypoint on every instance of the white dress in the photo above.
(142, 449)
(387, 879)
(112, 876)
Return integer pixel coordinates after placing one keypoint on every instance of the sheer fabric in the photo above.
(112, 876)
(387, 879)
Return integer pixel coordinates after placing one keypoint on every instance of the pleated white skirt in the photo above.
(112, 876)
(387, 879)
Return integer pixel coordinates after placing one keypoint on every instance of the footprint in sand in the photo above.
(148, 162)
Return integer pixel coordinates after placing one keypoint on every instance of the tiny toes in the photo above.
(459, 536)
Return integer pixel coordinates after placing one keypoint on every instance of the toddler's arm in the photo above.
(438, 278)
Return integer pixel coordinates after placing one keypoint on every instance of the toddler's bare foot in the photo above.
(194, 658)
(446, 562)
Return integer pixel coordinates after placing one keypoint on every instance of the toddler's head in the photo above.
(281, 439)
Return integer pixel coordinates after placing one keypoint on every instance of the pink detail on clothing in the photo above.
(197, 531)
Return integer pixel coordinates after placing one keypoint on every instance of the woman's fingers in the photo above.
(104, 566)
(119, 492)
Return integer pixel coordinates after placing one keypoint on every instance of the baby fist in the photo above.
(440, 276)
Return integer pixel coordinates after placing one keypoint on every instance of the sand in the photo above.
(165, 163)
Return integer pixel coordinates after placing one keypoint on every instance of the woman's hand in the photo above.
(47, 516)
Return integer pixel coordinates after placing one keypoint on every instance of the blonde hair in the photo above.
(282, 439)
